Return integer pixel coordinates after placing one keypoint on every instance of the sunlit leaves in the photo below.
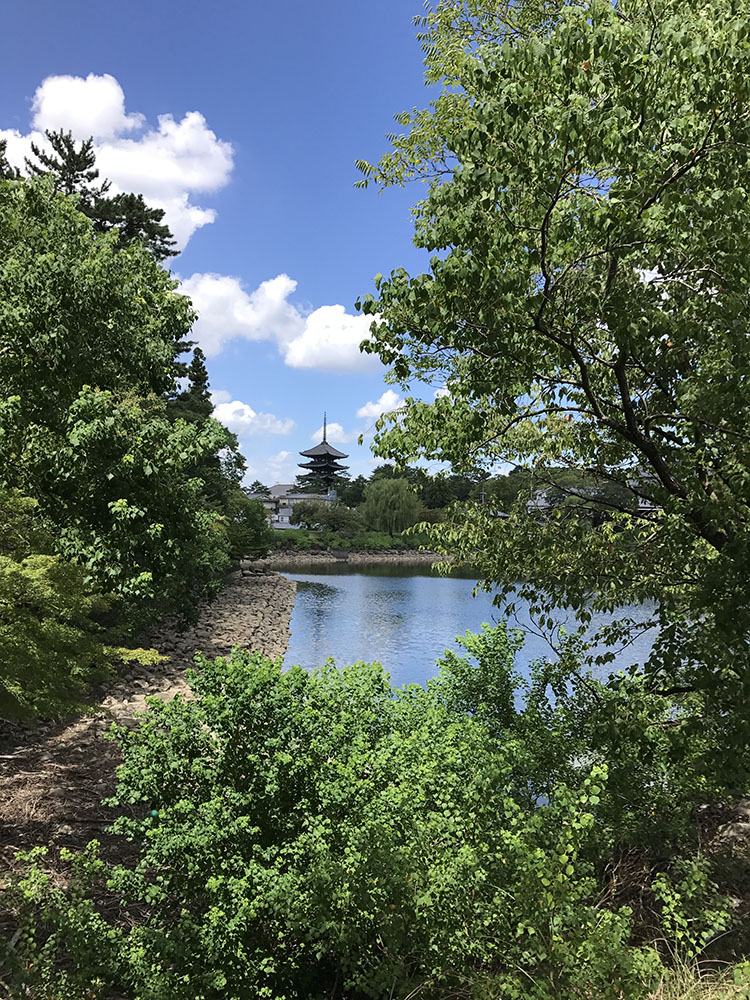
(587, 307)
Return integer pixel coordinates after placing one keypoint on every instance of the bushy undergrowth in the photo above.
(304, 539)
(322, 835)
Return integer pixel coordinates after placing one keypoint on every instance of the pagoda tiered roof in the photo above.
(323, 464)
(323, 449)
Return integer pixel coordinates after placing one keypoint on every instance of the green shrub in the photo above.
(304, 539)
(312, 835)
(51, 641)
(246, 526)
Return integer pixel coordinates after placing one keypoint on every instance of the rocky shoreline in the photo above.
(52, 780)
(334, 557)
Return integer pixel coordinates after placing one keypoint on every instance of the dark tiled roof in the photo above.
(324, 448)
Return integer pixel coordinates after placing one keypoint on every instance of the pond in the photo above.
(405, 617)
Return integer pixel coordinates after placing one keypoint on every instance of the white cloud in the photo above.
(326, 339)
(226, 311)
(330, 340)
(166, 163)
(91, 107)
(335, 434)
(280, 468)
(243, 420)
(441, 392)
(388, 402)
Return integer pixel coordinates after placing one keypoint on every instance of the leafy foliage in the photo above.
(336, 517)
(52, 643)
(133, 220)
(585, 308)
(246, 526)
(72, 168)
(320, 540)
(390, 505)
(317, 835)
(73, 171)
(85, 429)
(7, 172)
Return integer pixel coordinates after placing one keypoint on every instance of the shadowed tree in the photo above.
(586, 306)
(135, 220)
(72, 167)
(7, 172)
(74, 170)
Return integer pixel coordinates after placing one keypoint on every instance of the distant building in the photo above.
(642, 484)
(280, 500)
(540, 503)
(323, 465)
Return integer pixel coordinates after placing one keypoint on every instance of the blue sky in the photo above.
(243, 122)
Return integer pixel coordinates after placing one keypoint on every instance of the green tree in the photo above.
(246, 526)
(299, 834)
(258, 487)
(352, 492)
(89, 341)
(586, 308)
(7, 172)
(320, 486)
(194, 402)
(73, 169)
(390, 505)
(133, 220)
(52, 642)
(329, 516)
(222, 469)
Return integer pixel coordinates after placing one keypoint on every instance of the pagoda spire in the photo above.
(323, 465)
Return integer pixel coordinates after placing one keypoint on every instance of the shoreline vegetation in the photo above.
(284, 558)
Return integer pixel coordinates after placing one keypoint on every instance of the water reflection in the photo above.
(405, 620)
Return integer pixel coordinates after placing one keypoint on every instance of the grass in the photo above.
(693, 983)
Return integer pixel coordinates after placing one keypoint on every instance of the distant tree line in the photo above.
(393, 499)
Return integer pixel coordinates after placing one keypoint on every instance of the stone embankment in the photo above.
(252, 612)
(282, 559)
(52, 781)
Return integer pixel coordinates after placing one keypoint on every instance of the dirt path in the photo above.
(52, 782)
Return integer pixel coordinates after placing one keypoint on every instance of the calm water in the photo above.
(403, 618)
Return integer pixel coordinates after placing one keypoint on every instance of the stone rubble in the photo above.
(252, 612)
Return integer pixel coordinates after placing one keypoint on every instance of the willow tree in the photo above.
(587, 307)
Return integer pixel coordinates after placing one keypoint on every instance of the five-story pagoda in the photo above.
(322, 466)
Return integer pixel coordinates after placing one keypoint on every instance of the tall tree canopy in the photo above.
(89, 340)
(71, 166)
(587, 306)
(73, 170)
(7, 172)
(390, 505)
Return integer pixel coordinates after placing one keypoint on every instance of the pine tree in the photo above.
(194, 402)
(72, 167)
(221, 472)
(135, 220)
(74, 170)
(7, 172)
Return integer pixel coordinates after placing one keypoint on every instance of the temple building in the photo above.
(323, 466)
